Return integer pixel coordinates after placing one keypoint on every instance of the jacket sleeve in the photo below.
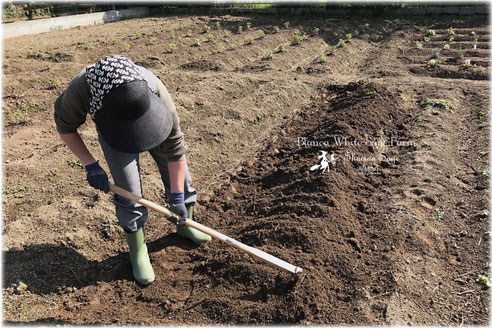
(174, 146)
(71, 107)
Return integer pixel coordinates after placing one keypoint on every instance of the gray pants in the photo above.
(125, 169)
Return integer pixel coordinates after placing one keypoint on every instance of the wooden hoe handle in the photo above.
(211, 232)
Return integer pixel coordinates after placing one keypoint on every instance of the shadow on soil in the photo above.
(46, 268)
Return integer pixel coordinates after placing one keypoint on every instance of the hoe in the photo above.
(212, 233)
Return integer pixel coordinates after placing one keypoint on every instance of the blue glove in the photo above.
(97, 177)
(178, 207)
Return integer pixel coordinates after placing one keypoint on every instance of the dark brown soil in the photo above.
(394, 233)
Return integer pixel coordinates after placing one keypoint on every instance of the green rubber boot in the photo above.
(194, 235)
(142, 269)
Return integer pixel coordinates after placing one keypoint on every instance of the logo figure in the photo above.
(324, 165)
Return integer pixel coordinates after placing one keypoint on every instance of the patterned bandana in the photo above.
(106, 74)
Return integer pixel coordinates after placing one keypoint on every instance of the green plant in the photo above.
(188, 33)
(220, 47)
(403, 97)
(88, 45)
(467, 63)
(483, 214)
(451, 31)
(126, 46)
(451, 38)
(485, 173)
(322, 57)
(261, 33)
(484, 281)
(370, 93)
(269, 54)
(436, 53)
(196, 42)
(482, 153)
(75, 163)
(239, 30)
(210, 37)
(153, 40)
(316, 31)
(227, 33)
(419, 45)
(138, 35)
(430, 33)
(432, 62)
(356, 33)
(439, 213)
(475, 39)
(5, 63)
(47, 64)
(426, 39)
(206, 28)
(366, 25)
(172, 46)
(114, 40)
(286, 24)
(276, 29)
(481, 115)
(458, 53)
(444, 104)
(281, 47)
(446, 47)
(341, 43)
(55, 83)
(217, 25)
(348, 36)
(20, 115)
(332, 50)
(248, 25)
(297, 39)
(172, 35)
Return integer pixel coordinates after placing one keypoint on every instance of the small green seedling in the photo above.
(248, 25)
(196, 42)
(316, 31)
(172, 35)
(188, 33)
(47, 64)
(269, 54)
(5, 63)
(371, 93)
(217, 25)
(366, 25)
(227, 33)
(220, 47)
(481, 115)
(332, 50)
(138, 35)
(153, 40)
(446, 47)
(451, 38)
(482, 153)
(430, 33)
(436, 53)
(322, 57)
(210, 37)
(444, 104)
(404, 97)
(281, 47)
(114, 40)
(206, 28)
(451, 31)
(297, 39)
(126, 46)
(75, 163)
(458, 53)
(276, 29)
(483, 214)
(432, 62)
(55, 83)
(172, 47)
(484, 281)
(88, 45)
(341, 43)
(348, 36)
(426, 39)
(439, 213)
(485, 173)
(286, 24)
(261, 33)
(467, 63)
(239, 30)
(419, 45)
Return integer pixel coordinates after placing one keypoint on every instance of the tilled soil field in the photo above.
(394, 231)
